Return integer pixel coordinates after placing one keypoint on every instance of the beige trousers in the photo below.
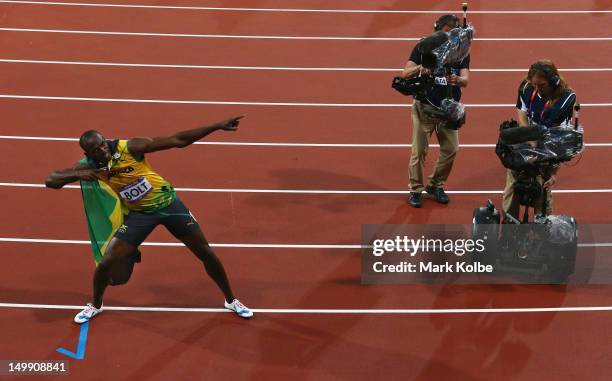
(422, 128)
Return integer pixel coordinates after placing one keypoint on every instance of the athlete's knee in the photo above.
(204, 252)
(118, 251)
(103, 271)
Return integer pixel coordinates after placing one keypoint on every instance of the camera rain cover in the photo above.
(455, 48)
(452, 109)
(556, 145)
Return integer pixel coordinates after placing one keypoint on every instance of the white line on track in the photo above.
(178, 244)
(298, 104)
(228, 9)
(282, 144)
(390, 311)
(228, 245)
(317, 191)
(253, 37)
(279, 68)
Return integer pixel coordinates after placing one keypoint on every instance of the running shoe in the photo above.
(89, 312)
(239, 308)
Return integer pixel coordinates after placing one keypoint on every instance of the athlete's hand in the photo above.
(89, 174)
(231, 124)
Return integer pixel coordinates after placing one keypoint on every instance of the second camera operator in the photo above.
(544, 98)
(423, 125)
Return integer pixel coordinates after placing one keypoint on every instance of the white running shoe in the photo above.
(239, 308)
(89, 312)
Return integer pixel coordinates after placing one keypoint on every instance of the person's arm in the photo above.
(460, 80)
(140, 146)
(521, 104)
(413, 67)
(522, 118)
(57, 179)
(566, 117)
(412, 70)
(566, 112)
(463, 78)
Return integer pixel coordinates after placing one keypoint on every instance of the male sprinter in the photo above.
(151, 201)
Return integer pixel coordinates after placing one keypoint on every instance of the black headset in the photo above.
(553, 79)
(446, 20)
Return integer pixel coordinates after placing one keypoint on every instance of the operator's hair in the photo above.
(550, 71)
(83, 140)
(443, 20)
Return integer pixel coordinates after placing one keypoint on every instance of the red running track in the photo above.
(252, 86)
(289, 168)
(504, 346)
(287, 53)
(334, 125)
(290, 23)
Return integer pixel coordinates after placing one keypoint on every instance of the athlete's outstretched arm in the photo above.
(140, 146)
(57, 179)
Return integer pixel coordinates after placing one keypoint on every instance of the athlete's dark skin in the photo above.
(118, 251)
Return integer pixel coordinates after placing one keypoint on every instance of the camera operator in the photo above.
(545, 99)
(424, 125)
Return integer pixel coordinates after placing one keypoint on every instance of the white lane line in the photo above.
(316, 191)
(242, 9)
(178, 244)
(389, 311)
(229, 245)
(277, 68)
(281, 144)
(234, 103)
(255, 37)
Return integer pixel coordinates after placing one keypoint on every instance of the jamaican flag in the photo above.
(105, 213)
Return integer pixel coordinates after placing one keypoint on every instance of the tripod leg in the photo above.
(544, 196)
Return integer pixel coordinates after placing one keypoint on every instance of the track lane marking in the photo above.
(321, 311)
(244, 9)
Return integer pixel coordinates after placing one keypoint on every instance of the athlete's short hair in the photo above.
(85, 136)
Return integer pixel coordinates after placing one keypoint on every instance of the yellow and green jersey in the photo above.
(139, 187)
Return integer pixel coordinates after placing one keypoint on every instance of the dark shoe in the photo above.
(438, 193)
(415, 199)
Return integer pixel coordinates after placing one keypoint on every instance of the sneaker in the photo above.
(415, 199)
(438, 194)
(239, 308)
(89, 312)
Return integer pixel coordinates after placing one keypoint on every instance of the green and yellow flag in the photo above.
(104, 212)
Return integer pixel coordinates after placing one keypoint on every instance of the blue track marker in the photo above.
(80, 355)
